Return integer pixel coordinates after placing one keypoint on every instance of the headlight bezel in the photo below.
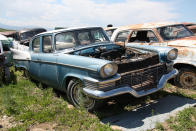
(114, 70)
(172, 54)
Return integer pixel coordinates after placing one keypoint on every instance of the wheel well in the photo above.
(181, 65)
(68, 80)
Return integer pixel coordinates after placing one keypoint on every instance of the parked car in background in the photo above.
(166, 34)
(5, 59)
(23, 36)
(84, 63)
(191, 26)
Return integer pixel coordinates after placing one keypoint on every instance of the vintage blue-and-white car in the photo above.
(84, 63)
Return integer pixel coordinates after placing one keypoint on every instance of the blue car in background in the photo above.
(83, 63)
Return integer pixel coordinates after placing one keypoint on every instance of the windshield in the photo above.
(70, 39)
(174, 32)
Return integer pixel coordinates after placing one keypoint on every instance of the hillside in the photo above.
(3, 30)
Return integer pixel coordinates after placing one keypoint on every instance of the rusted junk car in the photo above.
(5, 59)
(165, 34)
(23, 36)
(85, 64)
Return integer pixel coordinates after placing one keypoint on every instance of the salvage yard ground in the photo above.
(25, 106)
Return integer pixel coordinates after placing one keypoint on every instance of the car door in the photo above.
(34, 64)
(48, 66)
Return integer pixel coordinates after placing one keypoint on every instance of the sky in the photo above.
(69, 13)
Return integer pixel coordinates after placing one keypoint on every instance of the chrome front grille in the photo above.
(99, 86)
(143, 79)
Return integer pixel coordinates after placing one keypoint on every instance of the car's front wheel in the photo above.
(186, 78)
(78, 98)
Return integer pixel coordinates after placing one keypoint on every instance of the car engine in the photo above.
(128, 59)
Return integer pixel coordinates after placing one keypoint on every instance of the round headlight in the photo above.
(172, 54)
(109, 70)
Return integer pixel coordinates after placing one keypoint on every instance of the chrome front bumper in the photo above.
(97, 94)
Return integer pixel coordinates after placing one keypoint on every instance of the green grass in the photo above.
(29, 105)
(185, 120)
(159, 127)
(3, 30)
(188, 93)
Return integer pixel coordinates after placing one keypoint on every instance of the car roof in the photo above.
(33, 29)
(147, 25)
(67, 29)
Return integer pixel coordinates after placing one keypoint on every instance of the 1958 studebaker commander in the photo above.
(84, 63)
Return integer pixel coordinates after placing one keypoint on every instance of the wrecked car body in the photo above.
(5, 59)
(84, 63)
(23, 37)
(171, 35)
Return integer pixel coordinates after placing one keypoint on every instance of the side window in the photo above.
(47, 44)
(36, 45)
(146, 36)
(122, 36)
(65, 40)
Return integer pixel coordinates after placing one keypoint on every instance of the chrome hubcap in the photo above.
(80, 98)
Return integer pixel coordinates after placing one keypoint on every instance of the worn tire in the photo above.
(79, 99)
(186, 78)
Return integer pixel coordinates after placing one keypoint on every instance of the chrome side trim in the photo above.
(21, 60)
(126, 89)
(49, 62)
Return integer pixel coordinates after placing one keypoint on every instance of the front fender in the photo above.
(88, 78)
(70, 75)
(186, 62)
